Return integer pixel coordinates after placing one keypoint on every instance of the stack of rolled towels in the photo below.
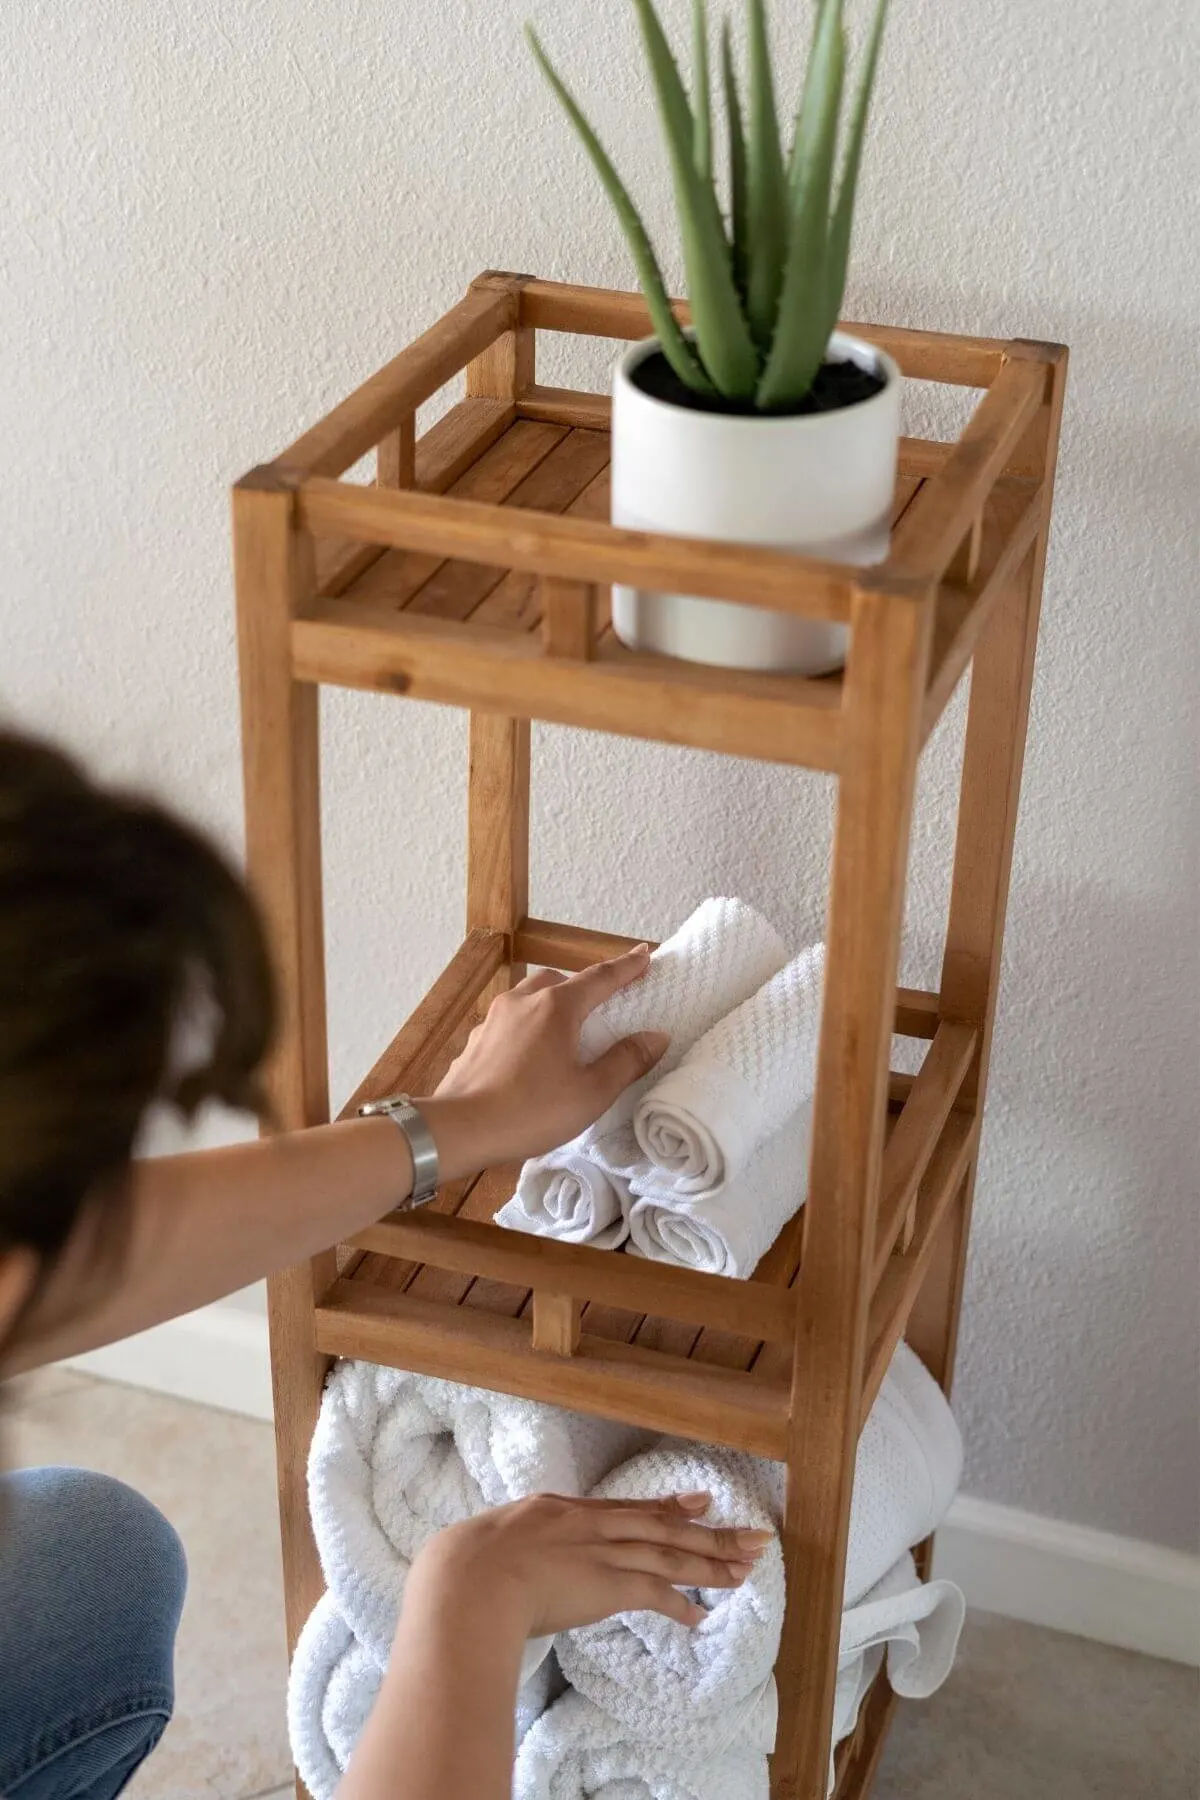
(637, 1706)
(704, 1160)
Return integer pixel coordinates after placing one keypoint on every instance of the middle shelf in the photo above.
(446, 1292)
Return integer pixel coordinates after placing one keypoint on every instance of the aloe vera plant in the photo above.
(765, 278)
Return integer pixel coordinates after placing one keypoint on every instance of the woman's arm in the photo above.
(209, 1222)
(442, 1727)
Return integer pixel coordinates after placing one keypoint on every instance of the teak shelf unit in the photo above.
(475, 571)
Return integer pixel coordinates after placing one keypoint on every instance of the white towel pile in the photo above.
(705, 1160)
(638, 1706)
(395, 1458)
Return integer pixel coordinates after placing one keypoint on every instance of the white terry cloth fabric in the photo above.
(729, 1233)
(915, 1624)
(333, 1686)
(689, 1691)
(719, 956)
(578, 1751)
(396, 1457)
(700, 1123)
(570, 1197)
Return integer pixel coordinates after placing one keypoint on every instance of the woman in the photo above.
(120, 929)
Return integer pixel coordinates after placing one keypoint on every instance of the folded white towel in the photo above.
(728, 1233)
(688, 1689)
(700, 1123)
(333, 1686)
(396, 1457)
(915, 1624)
(577, 1751)
(720, 955)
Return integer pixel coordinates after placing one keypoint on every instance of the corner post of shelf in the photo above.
(883, 697)
(506, 370)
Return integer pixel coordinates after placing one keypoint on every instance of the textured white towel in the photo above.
(688, 1689)
(570, 1197)
(915, 1624)
(700, 1123)
(720, 955)
(577, 1751)
(396, 1457)
(333, 1686)
(728, 1233)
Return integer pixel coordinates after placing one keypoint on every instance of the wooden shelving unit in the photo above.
(475, 572)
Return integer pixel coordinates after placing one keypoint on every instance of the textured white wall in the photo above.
(221, 216)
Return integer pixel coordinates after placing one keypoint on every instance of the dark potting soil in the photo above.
(837, 384)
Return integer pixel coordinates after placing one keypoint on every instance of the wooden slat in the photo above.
(556, 1324)
(612, 1379)
(434, 1021)
(375, 408)
(905, 1271)
(585, 1273)
(441, 456)
(912, 1144)
(578, 549)
(597, 312)
(791, 720)
(398, 576)
(934, 526)
(1010, 524)
(516, 601)
(458, 588)
(858, 1761)
(396, 455)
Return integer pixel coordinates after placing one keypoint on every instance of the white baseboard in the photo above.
(1065, 1577)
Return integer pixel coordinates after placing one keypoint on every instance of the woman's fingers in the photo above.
(646, 1593)
(659, 1528)
(691, 1505)
(590, 988)
(682, 1568)
(541, 978)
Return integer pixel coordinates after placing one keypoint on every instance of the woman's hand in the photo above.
(519, 1088)
(548, 1564)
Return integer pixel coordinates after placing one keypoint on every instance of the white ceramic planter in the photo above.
(821, 483)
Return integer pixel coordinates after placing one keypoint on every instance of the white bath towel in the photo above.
(916, 1625)
(728, 1233)
(577, 1751)
(570, 1197)
(396, 1457)
(700, 1124)
(334, 1684)
(722, 954)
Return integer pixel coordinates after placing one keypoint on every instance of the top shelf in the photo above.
(476, 571)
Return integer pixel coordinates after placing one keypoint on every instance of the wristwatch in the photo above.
(408, 1116)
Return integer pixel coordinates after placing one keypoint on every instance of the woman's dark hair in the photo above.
(119, 925)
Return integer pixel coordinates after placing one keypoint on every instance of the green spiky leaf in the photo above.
(843, 212)
(804, 325)
(738, 202)
(702, 127)
(676, 348)
(722, 336)
(766, 186)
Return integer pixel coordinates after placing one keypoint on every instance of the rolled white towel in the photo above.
(700, 1124)
(916, 1625)
(334, 1683)
(397, 1457)
(688, 1690)
(577, 1751)
(571, 1198)
(720, 955)
(728, 1233)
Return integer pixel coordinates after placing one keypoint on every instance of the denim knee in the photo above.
(92, 1580)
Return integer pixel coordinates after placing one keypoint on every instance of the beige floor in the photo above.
(1027, 1714)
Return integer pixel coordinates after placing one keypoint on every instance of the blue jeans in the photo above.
(92, 1580)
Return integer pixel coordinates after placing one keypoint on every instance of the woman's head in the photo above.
(115, 919)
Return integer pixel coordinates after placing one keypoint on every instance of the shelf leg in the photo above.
(498, 831)
(997, 719)
(275, 578)
(884, 686)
